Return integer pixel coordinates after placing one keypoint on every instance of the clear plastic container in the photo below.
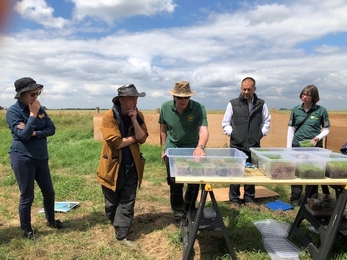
(309, 165)
(280, 248)
(279, 166)
(259, 150)
(218, 162)
(306, 143)
(272, 227)
(336, 165)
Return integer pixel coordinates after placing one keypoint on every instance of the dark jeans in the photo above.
(249, 190)
(27, 171)
(119, 204)
(179, 205)
(234, 193)
(297, 190)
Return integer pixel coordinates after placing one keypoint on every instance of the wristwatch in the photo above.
(201, 146)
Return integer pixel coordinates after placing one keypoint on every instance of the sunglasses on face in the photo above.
(182, 97)
(35, 94)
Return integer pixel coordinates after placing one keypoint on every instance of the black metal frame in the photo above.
(193, 222)
(327, 227)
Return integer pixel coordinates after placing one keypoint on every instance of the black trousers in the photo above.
(297, 190)
(249, 190)
(27, 171)
(179, 205)
(119, 204)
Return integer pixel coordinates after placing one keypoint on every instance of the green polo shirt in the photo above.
(312, 126)
(182, 129)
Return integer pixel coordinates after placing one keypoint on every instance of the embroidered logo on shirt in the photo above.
(190, 117)
(313, 117)
(42, 116)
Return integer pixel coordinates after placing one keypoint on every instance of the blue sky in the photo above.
(82, 51)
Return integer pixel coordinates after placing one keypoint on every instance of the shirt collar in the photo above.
(21, 105)
(314, 106)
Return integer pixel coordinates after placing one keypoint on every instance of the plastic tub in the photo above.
(278, 166)
(218, 162)
(255, 151)
(309, 165)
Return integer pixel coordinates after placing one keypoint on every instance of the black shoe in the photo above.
(30, 235)
(56, 224)
(295, 203)
(179, 221)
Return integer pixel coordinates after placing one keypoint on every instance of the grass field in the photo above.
(74, 157)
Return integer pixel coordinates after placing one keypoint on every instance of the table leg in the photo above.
(190, 230)
(327, 233)
(222, 226)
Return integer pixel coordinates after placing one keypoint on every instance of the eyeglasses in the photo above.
(35, 94)
(307, 95)
(182, 97)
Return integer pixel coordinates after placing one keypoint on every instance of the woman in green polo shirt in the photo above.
(308, 121)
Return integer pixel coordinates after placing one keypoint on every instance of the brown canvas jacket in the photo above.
(111, 157)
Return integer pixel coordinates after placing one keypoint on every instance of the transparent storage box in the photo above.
(309, 165)
(255, 151)
(277, 165)
(218, 162)
(314, 150)
(272, 227)
(336, 165)
(281, 248)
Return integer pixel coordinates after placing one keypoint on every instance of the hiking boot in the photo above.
(295, 203)
(30, 235)
(179, 221)
(126, 242)
(252, 205)
(56, 224)
(235, 206)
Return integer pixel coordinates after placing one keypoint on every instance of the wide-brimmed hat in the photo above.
(128, 91)
(182, 89)
(25, 84)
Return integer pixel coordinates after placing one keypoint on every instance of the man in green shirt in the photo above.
(183, 124)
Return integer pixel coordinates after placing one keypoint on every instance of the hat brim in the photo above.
(30, 87)
(142, 94)
(182, 94)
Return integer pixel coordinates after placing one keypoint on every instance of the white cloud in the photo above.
(214, 54)
(110, 10)
(39, 12)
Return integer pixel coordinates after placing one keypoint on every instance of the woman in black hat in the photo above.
(30, 126)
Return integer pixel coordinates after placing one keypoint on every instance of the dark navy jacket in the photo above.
(22, 140)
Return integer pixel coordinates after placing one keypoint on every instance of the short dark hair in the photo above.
(248, 78)
(311, 90)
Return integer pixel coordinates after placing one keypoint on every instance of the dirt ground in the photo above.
(276, 137)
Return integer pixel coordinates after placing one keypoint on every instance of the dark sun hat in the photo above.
(25, 84)
(182, 89)
(128, 91)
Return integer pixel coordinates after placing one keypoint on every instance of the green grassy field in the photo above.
(74, 157)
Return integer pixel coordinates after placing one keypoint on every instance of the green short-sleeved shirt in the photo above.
(312, 126)
(182, 129)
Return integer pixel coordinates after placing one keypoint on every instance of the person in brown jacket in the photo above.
(121, 164)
